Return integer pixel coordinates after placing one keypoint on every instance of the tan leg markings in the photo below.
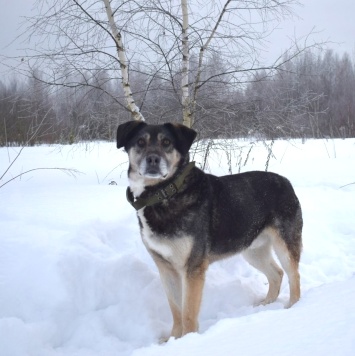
(295, 285)
(261, 258)
(290, 265)
(192, 296)
(171, 281)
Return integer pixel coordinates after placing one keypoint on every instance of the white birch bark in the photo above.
(185, 66)
(132, 107)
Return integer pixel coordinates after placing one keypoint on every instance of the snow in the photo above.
(76, 280)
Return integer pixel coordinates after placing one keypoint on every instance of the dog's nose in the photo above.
(153, 160)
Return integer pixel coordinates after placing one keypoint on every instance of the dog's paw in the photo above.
(264, 302)
(290, 303)
(260, 302)
(165, 339)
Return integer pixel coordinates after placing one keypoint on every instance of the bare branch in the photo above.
(72, 172)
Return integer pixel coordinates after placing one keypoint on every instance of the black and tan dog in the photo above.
(189, 219)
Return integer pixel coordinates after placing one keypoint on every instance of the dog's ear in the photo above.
(127, 130)
(184, 136)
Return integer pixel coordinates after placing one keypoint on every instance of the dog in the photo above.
(189, 219)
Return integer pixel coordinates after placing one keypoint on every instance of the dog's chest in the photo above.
(174, 249)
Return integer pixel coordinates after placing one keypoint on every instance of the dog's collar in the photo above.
(164, 193)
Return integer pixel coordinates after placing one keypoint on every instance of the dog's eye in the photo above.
(141, 142)
(165, 142)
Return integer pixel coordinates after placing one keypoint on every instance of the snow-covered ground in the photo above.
(75, 278)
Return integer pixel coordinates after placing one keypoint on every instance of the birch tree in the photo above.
(185, 66)
(117, 37)
(166, 40)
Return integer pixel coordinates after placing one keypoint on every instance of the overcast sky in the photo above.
(332, 19)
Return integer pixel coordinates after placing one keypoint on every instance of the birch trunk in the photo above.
(187, 117)
(132, 107)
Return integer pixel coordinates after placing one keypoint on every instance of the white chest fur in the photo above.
(175, 250)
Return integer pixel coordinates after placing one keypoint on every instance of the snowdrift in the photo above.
(75, 278)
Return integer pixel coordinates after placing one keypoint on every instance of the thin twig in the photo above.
(269, 154)
(71, 172)
(343, 186)
(13, 161)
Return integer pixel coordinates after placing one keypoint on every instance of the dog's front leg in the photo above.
(192, 289)
(171, 280)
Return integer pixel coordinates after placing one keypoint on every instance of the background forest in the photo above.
(312, 95)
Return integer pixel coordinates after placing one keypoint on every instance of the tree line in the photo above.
(311, 95)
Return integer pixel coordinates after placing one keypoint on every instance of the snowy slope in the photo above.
(75, 278)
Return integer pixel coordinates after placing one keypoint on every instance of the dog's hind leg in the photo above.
(289, 260)
(259, 256)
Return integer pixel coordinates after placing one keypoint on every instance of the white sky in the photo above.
(332, 19)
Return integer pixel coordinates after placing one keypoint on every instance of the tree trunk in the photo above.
(132, 107)
(185, 66)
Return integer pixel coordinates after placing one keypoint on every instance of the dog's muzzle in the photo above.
(153, 166)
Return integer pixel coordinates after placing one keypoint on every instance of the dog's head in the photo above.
(155, 151)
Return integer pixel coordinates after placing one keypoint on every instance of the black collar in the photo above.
(164, 193)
